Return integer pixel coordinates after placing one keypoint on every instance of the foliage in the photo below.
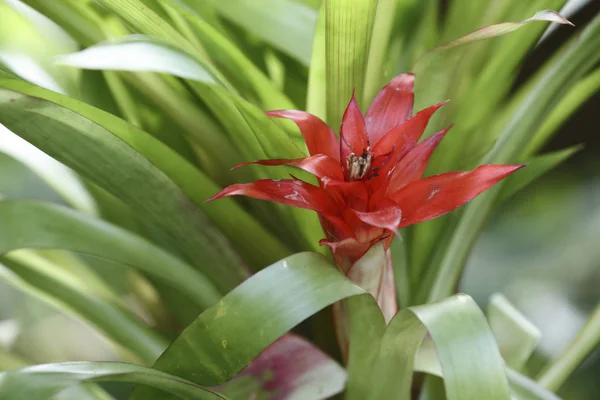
(144, 106)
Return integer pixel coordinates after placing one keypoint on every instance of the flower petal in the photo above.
(412, 166)
(319, 137)
(353, 133)
(387, 218)
(392, 106)
(320, 165)
(293, 193)
(347, 251)
(432, 197)
(404, 137)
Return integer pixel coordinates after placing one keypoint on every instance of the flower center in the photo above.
(358, 167)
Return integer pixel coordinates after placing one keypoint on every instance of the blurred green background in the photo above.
(542, 249)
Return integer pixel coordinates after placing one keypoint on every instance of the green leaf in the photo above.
(575, 98)
(57, 176)
(515, 335)
(516, 131)
(39, 277)
(42, 382)
(30, 224)
(522, 387)
(226, 214)
(285, 24)
(556, 372)
(146, 21)
(107, 161)
(382, 29)
(216, 346)
(138, 53)
(348, 26)
(468, 355)
(537, 167)
(316, 98)
(503, 28)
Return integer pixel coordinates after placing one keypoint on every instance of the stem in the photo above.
(558, 370)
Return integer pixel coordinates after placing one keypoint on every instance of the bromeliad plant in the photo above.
(151, 102)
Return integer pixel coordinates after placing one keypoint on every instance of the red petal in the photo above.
(404, 137)
(319, 137)
(392, 106)
(412, 166)
(353, 134)
(293, 193)
(387, 218)
(431, 197)
(347, 251)
(320, 165)
(351, 194)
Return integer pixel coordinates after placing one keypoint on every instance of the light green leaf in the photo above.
(138, 53)
(468, 355)
(216, 346)
(56, 175)
(515, 335)
(574, 98)
(522, 387)
(285, 24)
(537, 167)
(516, 131)
(41, 382)
(226, 214)
(503, 28)
(316, 98)
(556, 372)
(348, 27)
(107, 161)
(30, 224)
(39, 277)
(250, 81)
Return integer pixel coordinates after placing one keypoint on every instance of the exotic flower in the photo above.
(370, 178)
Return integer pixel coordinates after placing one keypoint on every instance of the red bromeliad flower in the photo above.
(370, 179)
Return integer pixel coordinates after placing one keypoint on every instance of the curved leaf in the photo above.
(226, 337)
(515, 335)
(287, 25)
(56, 175)
(30, 224)
(226, 214)
(107, 161)
(37, 276)
(348, 27)
(138, 53)
(41, 382)
(468, 355)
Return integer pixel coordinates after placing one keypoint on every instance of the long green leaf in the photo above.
(522, 387)
(556, 372)
(107, 161)
(536, 168)
(286, 24)
(42, 382)
(468, 355)
(138, 53)
(515, 335)
(348, 26)
(226, 214)
(316, 97)
(575, 98)
(37, 276)
(544, 91)
(216, 346)
(57, 176)
(30, 224)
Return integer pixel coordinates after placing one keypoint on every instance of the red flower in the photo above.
(370, 179)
